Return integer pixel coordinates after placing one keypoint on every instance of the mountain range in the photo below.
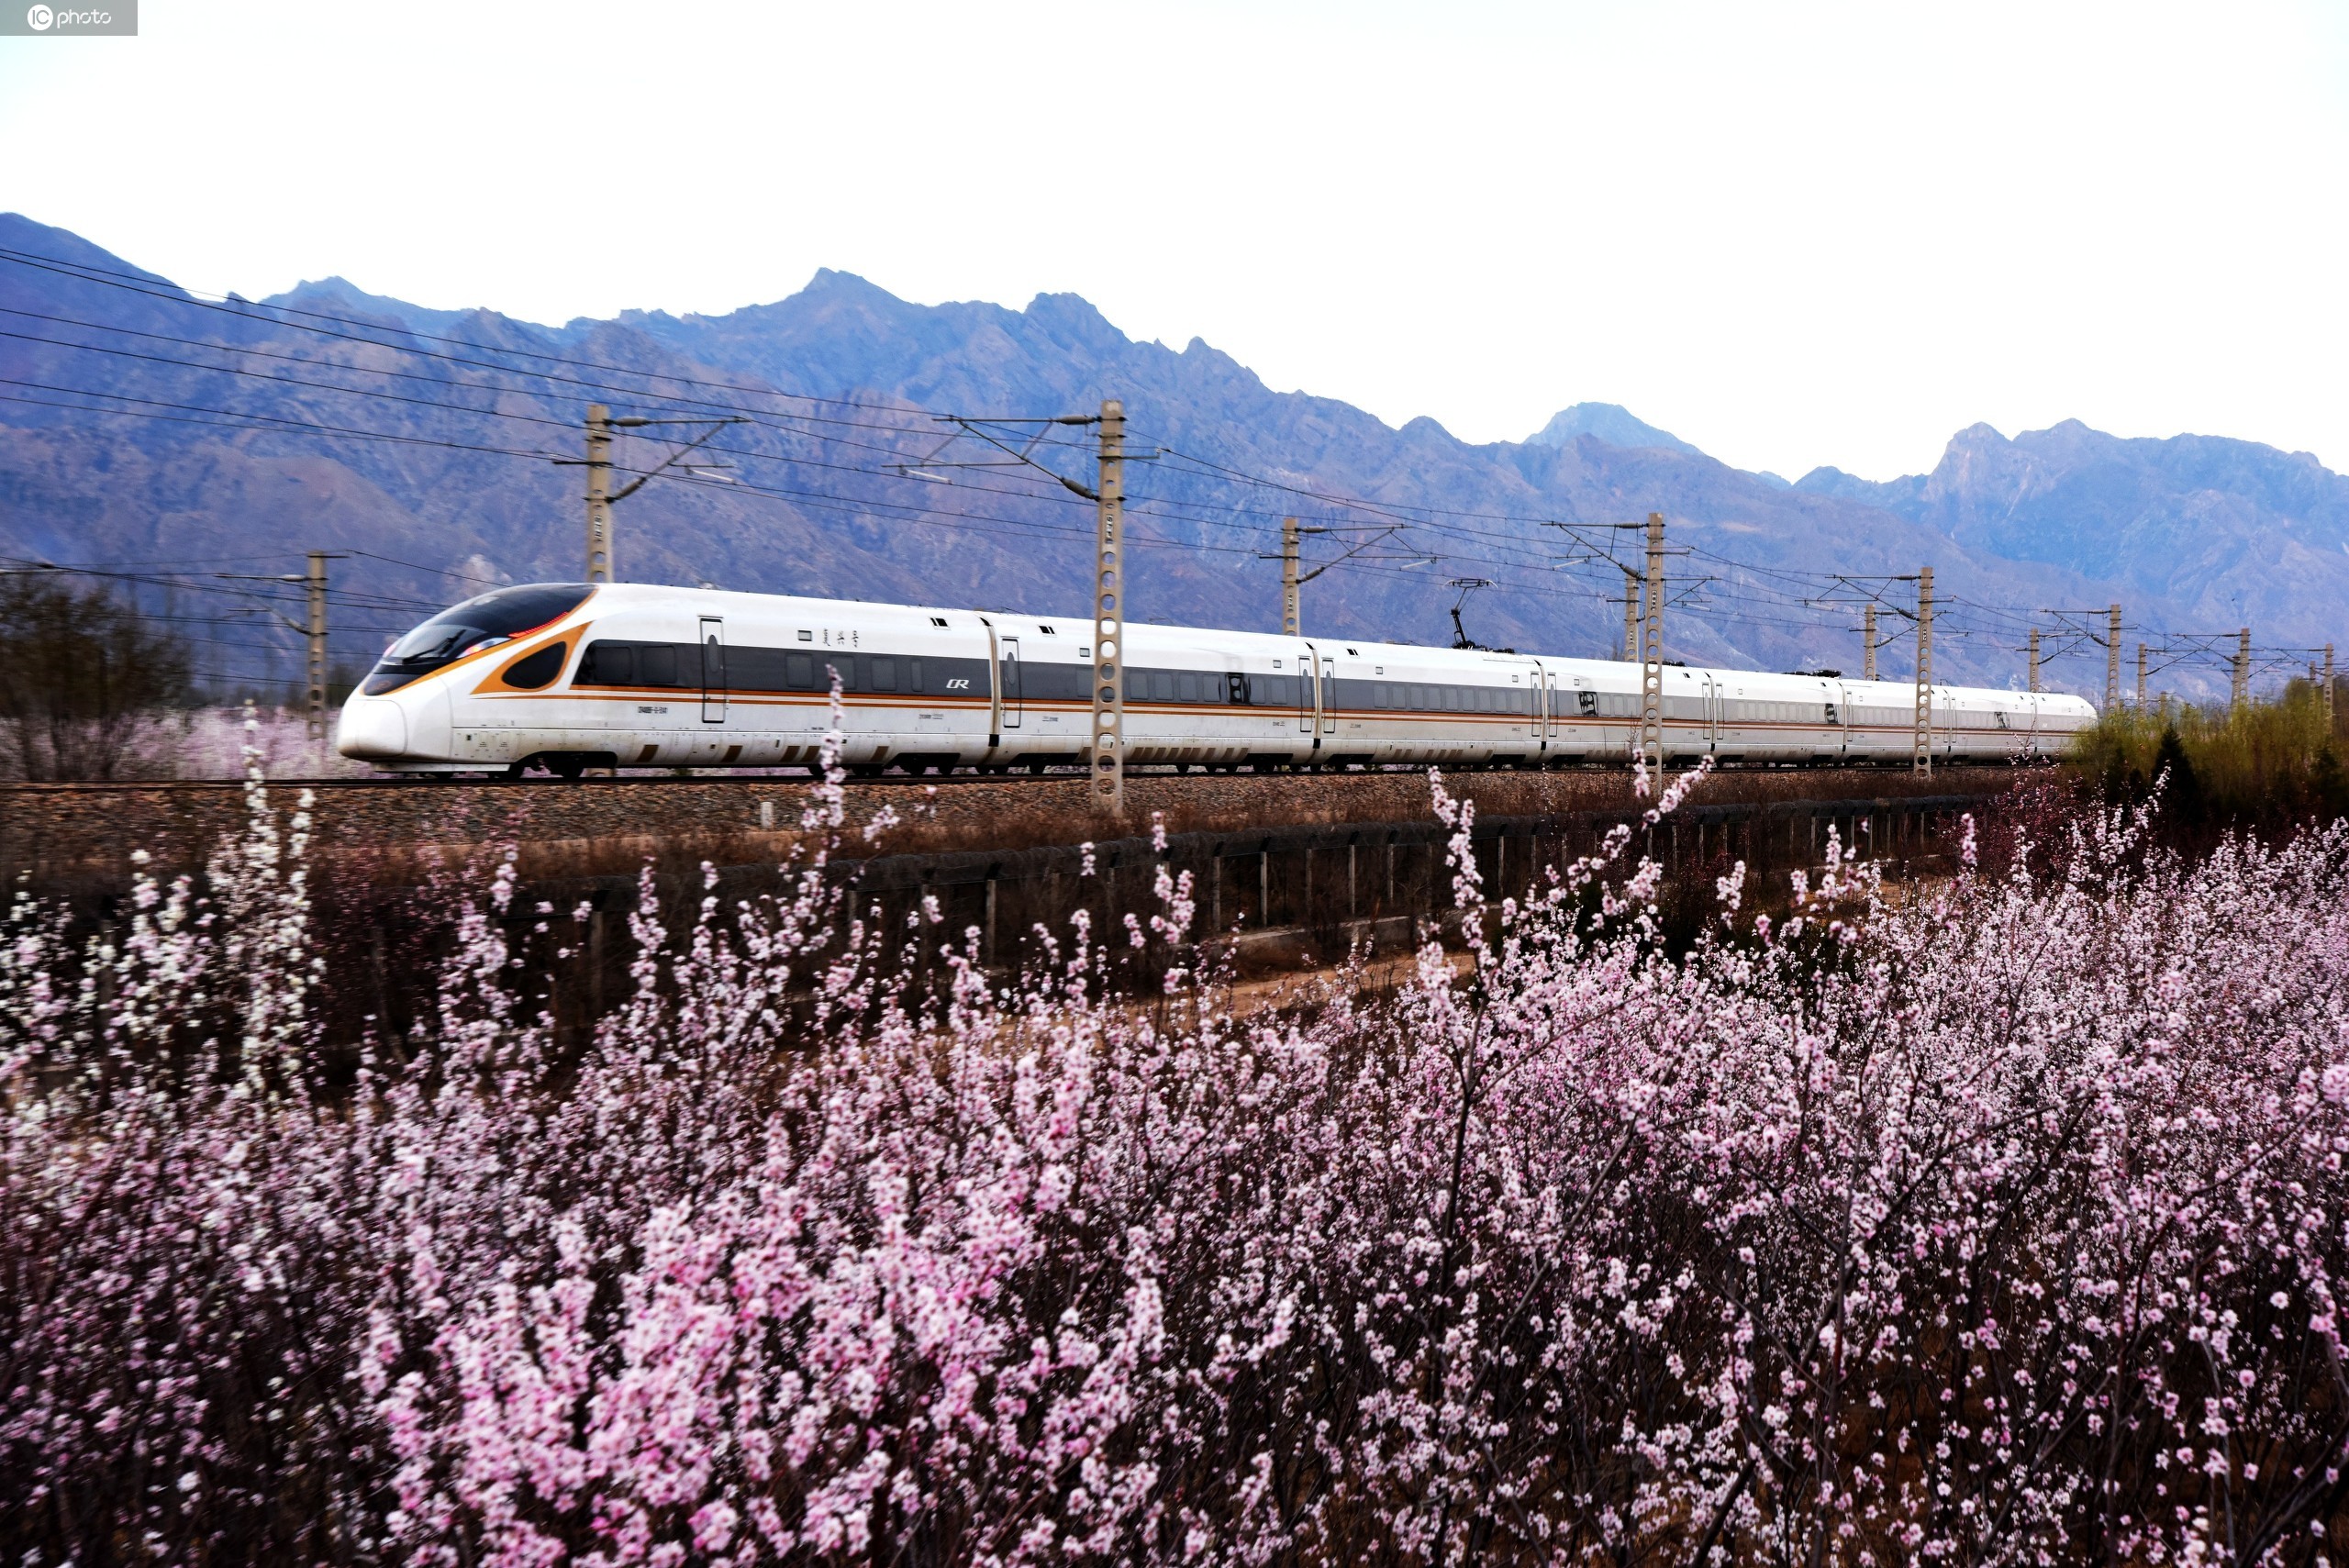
(888, 450)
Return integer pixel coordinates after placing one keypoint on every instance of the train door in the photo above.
(1538, 726)
(1007, 682)
(995, 685)
(1308, 694)
(713, 670)
(1712, 715)
(1326, 690)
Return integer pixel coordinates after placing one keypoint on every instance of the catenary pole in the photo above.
(2112, 661)
(1291, 611)
(599, 493)
(1107, 750)
(2328, 688)
(1631, 616)
(1921, 751)
(2141, 677)
(1651, 652)
(2034, 658)
(2242, 669)
(316, 584)
(1868, 642)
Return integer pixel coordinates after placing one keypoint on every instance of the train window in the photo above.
(799, 672)
(538, 669)
(656, 664)
(912, 675)
(463, 629)
(607, 664)
(756, 669)
(1831, 714)
(1588, 702)
(884, 673)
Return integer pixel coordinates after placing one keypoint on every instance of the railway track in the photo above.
(427, 783)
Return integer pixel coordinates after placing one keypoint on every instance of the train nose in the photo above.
(372, 727)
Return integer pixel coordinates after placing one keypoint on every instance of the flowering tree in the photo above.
(2000, 1221)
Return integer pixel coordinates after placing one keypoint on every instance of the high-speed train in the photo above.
(565, 677)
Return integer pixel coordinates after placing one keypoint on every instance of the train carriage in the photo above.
(566, 677)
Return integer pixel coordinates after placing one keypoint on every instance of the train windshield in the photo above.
(477, 622)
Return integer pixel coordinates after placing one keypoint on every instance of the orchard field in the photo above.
(1997, 1220)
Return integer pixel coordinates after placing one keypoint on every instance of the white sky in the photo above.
(1793, 234)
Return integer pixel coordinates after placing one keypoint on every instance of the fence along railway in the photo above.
(1282, 878)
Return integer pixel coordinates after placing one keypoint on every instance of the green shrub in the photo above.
(2271, 761)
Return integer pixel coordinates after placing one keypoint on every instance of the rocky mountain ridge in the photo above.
(329, 417)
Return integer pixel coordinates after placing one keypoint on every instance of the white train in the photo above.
(566, 677)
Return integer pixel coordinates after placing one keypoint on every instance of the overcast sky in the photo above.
(1793, 234)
